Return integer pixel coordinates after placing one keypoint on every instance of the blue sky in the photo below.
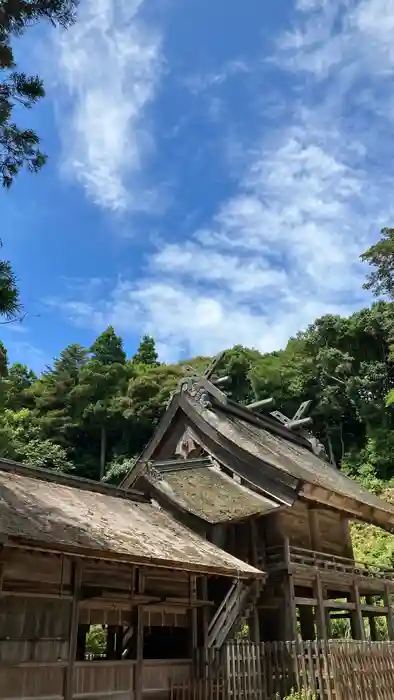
(215, 170)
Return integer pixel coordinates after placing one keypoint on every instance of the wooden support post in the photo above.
(139, 625)
(357, 616)
(254, 622)
(73, 632)
(193, 612)
(390, 616)
(204, 611)
(289, 626)
(372, 621)
(321, 621)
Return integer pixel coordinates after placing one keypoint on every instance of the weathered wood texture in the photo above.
(317, 671)
(312, 528)
(41, 621)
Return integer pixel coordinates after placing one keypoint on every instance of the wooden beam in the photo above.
(301, 423)
(73, 632)
(373, 610)
(339, 605)
(259, 405)
(303, 408)
(306, 601)
(220, 380)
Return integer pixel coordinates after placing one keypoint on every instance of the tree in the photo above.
(20, 147)
(16, 387)
(21, 439)
(101, 379)
(9, 295)
(3, 360)
(146, 353)
(380, 257)
(108, 348)
(52, 394)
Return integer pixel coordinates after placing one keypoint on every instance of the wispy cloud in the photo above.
(314, 189)
(108, 66)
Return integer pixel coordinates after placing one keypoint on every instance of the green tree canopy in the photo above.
(380, 257)
(146, 353)
(19, 147)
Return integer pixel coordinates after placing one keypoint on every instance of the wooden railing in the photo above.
(288, 557)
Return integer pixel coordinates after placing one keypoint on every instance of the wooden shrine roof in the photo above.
(269, 458)
(54, 512)
(291, 458)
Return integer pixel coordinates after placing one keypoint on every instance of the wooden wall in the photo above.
(36, 604)
(307, 527)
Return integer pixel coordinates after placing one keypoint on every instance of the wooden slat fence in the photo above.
(299, 670)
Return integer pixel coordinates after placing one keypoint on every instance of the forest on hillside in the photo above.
(94, 409)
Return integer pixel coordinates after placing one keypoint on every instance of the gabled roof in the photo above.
(54, 512)
(270, 459)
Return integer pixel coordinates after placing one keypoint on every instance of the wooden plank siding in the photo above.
(44, 599)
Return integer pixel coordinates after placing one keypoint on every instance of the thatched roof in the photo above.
(213, 496)
(270, 459)
(39, 509)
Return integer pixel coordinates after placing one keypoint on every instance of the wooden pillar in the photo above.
(357, 616)
(372, 621)
(289, 623)
(73, 631)
(321, 619)
(204, 612)
(193, 612)
(390, 616)
(254, 622)
(139, 642)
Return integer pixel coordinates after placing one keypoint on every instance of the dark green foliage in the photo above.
(101, 408)
(380, 257)
(146, 353)
(10, 305)
(3, 360)
(20, 147)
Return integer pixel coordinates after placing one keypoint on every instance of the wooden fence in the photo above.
(276, 670)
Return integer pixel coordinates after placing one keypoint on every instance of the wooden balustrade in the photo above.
(283, 557)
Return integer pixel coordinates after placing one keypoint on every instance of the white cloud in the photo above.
(315, 189)
(108, 65)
